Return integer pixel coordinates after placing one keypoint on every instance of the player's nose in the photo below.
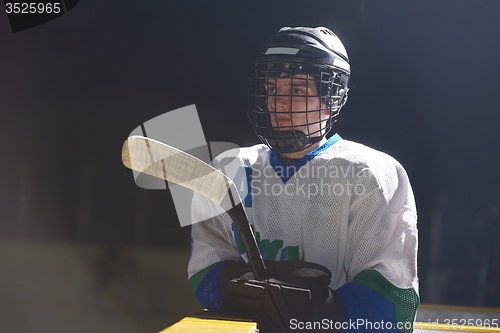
(280, 103)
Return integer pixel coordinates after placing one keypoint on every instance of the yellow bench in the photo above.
(214, 322)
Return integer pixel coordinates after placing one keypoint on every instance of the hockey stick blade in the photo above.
(163, 161)
(166, 162)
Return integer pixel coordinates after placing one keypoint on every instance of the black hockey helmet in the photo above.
(300, 54)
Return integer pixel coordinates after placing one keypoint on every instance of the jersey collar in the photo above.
(287, 172)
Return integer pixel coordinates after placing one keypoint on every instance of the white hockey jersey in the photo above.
(345, 206)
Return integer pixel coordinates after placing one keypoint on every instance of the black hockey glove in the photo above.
(296, 294)
(297, 271)
(290, 271)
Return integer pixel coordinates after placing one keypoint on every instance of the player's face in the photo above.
(294, 103)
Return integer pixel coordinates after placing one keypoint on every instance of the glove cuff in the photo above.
(327, 305)
(232, 270)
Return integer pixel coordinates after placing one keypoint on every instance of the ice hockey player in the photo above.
(335, 220)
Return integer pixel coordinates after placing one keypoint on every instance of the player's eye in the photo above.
(271, 90)
(299, 91)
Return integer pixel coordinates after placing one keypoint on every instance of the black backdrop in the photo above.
(424, 88)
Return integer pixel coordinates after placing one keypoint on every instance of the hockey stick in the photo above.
(163, 161)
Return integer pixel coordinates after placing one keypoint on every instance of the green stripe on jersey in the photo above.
(405, 301)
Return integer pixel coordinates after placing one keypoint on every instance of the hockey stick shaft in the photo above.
(240, 219)
(166, 162)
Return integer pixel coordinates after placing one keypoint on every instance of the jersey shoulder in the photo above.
(379, 166)
(358, 153)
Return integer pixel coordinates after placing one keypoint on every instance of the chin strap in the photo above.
(286, 142)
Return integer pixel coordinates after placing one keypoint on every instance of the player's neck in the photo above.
(302, 153)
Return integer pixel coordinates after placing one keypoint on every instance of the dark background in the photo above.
(424, 88)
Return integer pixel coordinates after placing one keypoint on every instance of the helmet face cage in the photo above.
(293, 119)
(298, 88)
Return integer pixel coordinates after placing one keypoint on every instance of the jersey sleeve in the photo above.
(212, 247)
(214, 240)
(381, 261)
